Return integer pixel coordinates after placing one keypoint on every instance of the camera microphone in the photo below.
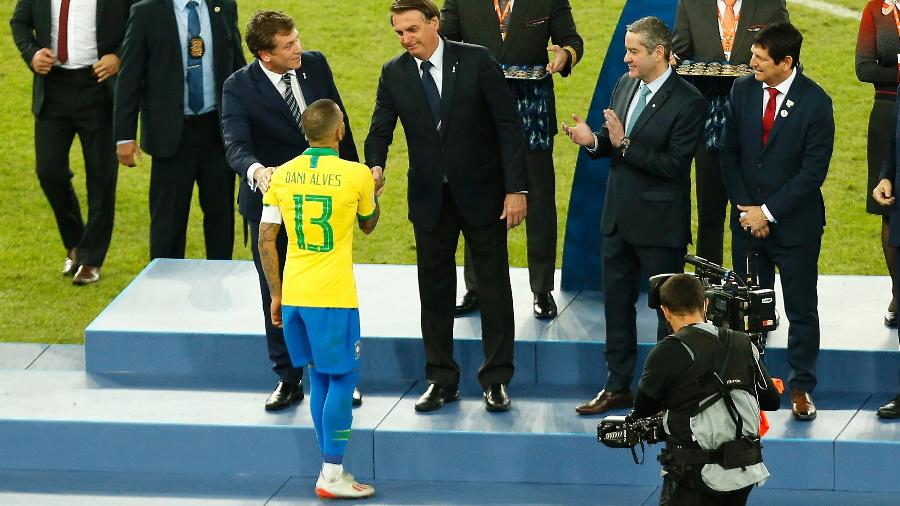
(706, 265)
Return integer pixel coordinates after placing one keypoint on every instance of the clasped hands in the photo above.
(753, 220)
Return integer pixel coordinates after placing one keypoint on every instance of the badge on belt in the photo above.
(196, 47)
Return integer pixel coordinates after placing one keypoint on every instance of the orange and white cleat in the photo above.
(346, 487)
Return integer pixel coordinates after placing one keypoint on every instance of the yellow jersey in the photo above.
(320, 197)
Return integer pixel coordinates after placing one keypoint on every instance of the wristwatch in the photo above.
(624, 144)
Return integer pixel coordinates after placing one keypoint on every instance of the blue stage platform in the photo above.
(163, 405)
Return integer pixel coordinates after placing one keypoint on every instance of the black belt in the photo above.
(78, 74)
(194, 119)
(730, 455)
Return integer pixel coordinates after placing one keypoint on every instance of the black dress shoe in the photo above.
(357, 398)
(544, 306)
(435, 397)
(890, 319)
(467, 303)
(284, 395)
(890, 410)
(496, 398)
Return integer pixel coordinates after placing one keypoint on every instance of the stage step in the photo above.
(70, 420)
(184, 321)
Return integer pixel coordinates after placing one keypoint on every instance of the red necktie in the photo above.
(768, 118)
(62, 51)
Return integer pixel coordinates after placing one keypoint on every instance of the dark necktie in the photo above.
(291, 99)
(768, 119)
(194, 66)
(62, 49)
(431, 92)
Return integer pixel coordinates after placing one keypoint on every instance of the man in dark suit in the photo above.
(717, 31)
(75, 55)
(775, 152)
(452, 99)
(518, 34)
(884, 194)
(177, 55)
(646, 219)
(260, 123)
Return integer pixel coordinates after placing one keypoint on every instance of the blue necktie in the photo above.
(638, 108)
(431, 92)
(194, 67)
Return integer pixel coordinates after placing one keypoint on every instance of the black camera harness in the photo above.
(704, 381)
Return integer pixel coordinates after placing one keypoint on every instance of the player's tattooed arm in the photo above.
(368, 225)
(268, 257)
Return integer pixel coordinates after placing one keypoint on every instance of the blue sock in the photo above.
(337, 416)
(318, 390)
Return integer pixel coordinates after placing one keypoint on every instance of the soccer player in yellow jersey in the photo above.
(319, 196)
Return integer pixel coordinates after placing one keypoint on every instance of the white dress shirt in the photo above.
(82, 33)
(737, 15)
(779, 101)
(281, 87)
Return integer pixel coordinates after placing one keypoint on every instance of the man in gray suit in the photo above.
(646, 220)
(717, 31)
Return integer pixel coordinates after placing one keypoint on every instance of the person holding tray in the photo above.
(717, 31)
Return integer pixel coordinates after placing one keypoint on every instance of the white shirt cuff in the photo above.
(769, 216)
(250, 171)
(270, 214)
(596, 145)
(119, 143)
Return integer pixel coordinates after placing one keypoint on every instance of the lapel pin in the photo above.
(453, 70)
(790, 103)
(304, 75)
(652, 106)
(217, 9)
(784, 113)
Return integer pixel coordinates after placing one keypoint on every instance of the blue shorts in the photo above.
(326, 338)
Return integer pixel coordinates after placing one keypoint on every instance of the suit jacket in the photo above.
(152, 75)
(889, 172)
(480, 147)
(787, 173)
(648, 193)
(532, 24)
(697, 36)
(30, 25)
(258, 126)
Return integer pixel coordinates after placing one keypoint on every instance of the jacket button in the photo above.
(759, 165)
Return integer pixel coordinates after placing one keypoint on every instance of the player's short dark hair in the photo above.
(263, 27)
(320, 120)
(682, 294)
(428, 8)
(653, 32)
(781, 40)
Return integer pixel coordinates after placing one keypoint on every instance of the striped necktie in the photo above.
(291, 99)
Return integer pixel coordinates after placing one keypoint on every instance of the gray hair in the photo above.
(653, 33)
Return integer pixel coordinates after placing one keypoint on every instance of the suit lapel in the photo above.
(622, 100)
(755, 116)
(414, 85)
(793, 95)
(661, 95)
(491, 25)
(710, 19)
(269, 93)
(448, 72)
(514, 26)
(218, 33)
(748, 13)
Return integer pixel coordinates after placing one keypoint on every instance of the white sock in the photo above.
(331, 472)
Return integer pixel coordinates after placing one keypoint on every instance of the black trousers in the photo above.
(540, 224)
(201, 158)
(712, 202)
(625, 267)
(278, 352)
(676, 494)
(799, 268)
(435, 256)
(74, 103)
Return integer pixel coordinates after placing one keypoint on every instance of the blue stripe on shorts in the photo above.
(325, 337)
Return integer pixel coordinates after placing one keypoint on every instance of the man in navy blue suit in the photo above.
(775, 152)
(261, 108)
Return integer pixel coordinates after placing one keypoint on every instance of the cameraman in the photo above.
(711, 385)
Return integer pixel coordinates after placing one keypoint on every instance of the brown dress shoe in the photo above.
(86, 275)
(802, 405)
(70, 265)
(606, 401)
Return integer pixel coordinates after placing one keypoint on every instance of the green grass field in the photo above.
(39, 305)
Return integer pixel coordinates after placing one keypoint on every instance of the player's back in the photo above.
(320, 197)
